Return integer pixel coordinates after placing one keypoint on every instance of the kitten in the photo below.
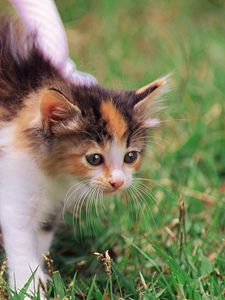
(54, 135)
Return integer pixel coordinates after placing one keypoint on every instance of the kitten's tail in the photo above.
(22, 65)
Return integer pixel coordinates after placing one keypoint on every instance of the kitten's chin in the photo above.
(110, 193)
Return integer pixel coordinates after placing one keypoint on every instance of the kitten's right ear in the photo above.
(56, 110)
(148, 100)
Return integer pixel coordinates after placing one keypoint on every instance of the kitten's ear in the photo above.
(56, 109)
(148, 100)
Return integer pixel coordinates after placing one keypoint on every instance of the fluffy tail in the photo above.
(22, 65)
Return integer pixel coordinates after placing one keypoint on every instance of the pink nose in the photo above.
(116, 184)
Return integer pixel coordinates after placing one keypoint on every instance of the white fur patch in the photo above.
(22, 198)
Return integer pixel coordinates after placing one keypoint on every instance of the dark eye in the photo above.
(130, 157)
(94, 159)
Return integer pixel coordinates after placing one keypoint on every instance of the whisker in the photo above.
(83, 200)
(70, 192)
(146, 191)
(88, 210)
(143, 210)
(143, 200)
(102, 202)
(135, 202)
(154, 182)
(95, 202)
(149, 142)
(78, 206)
(173, 120)
(76, 183)
(77, 201)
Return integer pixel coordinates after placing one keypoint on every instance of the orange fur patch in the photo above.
(2, 112)
(137, 165)
(3, 116)
(24, 119)
(115, 121)
(156, 84)
(74, 165)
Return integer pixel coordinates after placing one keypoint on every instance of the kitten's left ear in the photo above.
(148, 100)
(57, 111)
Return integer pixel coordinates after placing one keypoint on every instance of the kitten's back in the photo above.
(23, 68)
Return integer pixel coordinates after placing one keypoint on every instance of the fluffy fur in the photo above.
(50, 133)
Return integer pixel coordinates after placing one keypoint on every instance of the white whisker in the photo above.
(143, 200)
(71, 191)
(79, 204)
(91, 195)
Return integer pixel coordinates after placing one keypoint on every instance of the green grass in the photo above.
(166, 251)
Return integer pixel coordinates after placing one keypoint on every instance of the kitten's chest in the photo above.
(60, 194)
(30, 188)
(64, 190)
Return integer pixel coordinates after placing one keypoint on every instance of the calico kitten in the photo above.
(54, 135)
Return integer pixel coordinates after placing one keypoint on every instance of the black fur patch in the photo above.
(147, 92)
(50, 223)
(24, 70)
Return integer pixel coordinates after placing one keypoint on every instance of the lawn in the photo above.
(169, 242)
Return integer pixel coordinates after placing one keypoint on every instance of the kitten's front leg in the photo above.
(20, 242)
(20, 194)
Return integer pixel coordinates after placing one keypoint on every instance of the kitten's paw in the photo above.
(37, 284)
(42, 297)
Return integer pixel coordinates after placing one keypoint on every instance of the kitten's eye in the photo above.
(130, 157)
(94, 159)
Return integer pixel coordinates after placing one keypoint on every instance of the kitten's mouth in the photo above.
(112, 192)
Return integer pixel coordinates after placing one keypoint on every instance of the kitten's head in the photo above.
(98, 135)
(90, 133)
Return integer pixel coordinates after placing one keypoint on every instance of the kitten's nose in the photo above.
(116, 183)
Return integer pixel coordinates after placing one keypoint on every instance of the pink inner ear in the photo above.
(148, 89)
(53, 106)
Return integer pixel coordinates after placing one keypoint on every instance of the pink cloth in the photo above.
(42, 18)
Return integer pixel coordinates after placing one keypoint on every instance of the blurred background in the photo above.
(173, 247)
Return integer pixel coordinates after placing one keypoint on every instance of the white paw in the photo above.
(42, 297)
(37, 282)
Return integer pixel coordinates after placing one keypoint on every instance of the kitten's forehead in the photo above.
(116, 124)
(105, 115)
